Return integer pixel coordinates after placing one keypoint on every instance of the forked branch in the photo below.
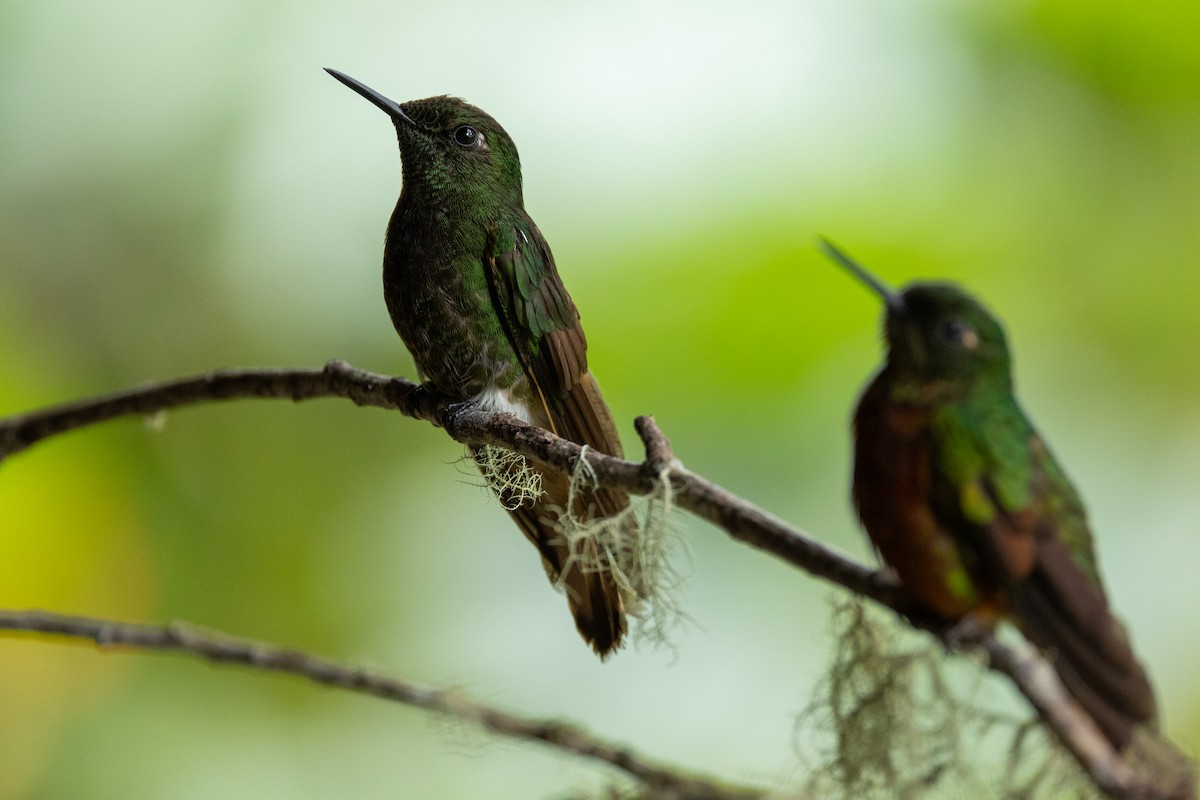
(739, 518)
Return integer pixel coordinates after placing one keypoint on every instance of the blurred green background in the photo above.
(183, 188)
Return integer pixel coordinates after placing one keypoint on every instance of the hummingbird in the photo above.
(964, 501)
(473, 291)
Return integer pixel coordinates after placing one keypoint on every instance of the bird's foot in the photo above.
(454, 414)
(433, 405)
(971, 629)
(454, 410)
(420, 401)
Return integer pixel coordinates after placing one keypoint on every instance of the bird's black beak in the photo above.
(891, 298)
(390, 107)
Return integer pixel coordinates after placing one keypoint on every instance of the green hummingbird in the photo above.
(473, 291)
(964, 501)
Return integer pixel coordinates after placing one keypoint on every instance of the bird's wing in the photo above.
(1018, 517)
(1062, 607)
(984, 491)
(543, 326)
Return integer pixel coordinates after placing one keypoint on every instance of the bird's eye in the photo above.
(467, 136)
(960, 333)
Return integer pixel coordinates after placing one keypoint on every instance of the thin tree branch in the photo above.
(1038, 681)
(739, 518)
(335, 379)
(178, 637)
(736, 516)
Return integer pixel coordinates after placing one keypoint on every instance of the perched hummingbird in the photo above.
(473, 291)
(964, 501)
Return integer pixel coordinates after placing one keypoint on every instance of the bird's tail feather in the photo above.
(1088, 646)
(577, 564)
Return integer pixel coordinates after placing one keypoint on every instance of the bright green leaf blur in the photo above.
(183, 188)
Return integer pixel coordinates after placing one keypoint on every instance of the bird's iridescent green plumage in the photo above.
(473, 291)
(963, 499)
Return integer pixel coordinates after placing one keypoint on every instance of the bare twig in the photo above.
(1038, 681)
(221, 648)
(739, 518)
(335, 379)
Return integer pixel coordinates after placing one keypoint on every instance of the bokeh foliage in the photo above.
(182, 188)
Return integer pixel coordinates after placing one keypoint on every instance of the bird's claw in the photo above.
(969, 630)
(452, 411)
